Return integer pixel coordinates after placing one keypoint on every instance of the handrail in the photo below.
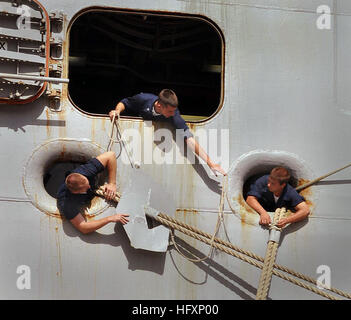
(34, 78)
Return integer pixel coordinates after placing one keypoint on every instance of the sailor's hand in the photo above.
(217, 168)
(113, 113)
(265, 219)
(110, 191)
(119, 217)
(282, 222)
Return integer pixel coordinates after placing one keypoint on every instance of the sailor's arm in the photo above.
(195, 147)
(302, 212)
(108, 160)
(85, 227)
(254, 204)
(120, 107)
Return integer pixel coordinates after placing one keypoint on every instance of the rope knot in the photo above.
(274, 227)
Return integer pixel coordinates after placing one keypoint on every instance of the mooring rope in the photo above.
(268, 264)
(245, 255)
(271, 254)
(100, 192)
(308, 184)
(251, 261)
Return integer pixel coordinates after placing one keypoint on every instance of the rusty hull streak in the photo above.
(191, 125)
(58, 247)
(62, 153)
(190, 218)
(306, 193)
(247, 214)
(48, 127)
(178, 210)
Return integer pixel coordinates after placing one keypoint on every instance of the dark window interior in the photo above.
(56, 174)
(115, 55)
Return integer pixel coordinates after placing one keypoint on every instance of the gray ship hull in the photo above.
(284, 99)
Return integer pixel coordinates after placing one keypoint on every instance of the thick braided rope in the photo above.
(239, 252)
(267, 271)
(248, 253)
(242, 257)
(305, 285)
(311, 280)
(286, 269)
(271, 254)
(101, 192)
(173, 223)
(184, 256)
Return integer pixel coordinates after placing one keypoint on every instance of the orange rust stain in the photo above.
(243, 203)
(62, 118)
(302, 182)
(306, 193)
(64, 67)
(64, 91)
(310, 203)
(187, 211)
(58, 246)
(55, 214)
(48, 128)
(62, 153)
(103, 122)
(191, 125)
(247, 214)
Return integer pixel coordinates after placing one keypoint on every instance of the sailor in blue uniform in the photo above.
(273, 191)
(77, 191)
(164, 107)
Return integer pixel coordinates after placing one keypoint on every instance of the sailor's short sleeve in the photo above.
(136, 102)
(295, 198)
(180, 125)
(257, 188)
(130, 103)
(69, 210)
(90, 169)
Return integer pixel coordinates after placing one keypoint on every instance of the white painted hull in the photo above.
(285, 90)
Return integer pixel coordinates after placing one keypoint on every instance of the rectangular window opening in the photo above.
(114, 55)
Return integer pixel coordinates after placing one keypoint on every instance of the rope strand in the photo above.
(267, 265)
(245, 255)
(271, 254)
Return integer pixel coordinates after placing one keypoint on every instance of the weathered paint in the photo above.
(276, 68)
